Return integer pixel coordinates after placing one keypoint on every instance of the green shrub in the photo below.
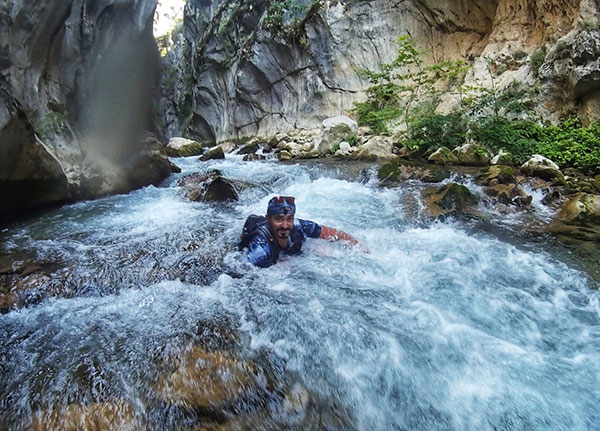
(570, 144)
(432, 131)
(537, 59)
(520, 138)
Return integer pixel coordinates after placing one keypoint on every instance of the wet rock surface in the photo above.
(211, 187)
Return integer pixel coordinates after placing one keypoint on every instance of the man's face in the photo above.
(280, 226)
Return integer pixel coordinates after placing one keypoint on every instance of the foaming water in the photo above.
(426, 326)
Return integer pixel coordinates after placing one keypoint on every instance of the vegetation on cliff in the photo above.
(497, 119)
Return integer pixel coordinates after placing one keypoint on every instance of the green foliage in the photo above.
(537, 59)
(432, 131)
(520, 138)
(571, 144)
(399, 85)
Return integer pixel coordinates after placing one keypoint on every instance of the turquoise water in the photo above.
(426, 326)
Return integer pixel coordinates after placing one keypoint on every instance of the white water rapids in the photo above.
(440, 326)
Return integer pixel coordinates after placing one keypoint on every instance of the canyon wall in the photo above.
(79, 85)
(242, 68)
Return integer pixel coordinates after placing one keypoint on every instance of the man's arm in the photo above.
(336, 235)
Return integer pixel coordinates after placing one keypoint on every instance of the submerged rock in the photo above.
(114, 416)
(208, 379)
(401, 170)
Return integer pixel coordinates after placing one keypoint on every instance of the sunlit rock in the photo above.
(443, 156)
(540, 166)
(376, 148)
(335, 130)
(284, 155)
(472, 155)
(451, 199)
(113, 416)
(581, 209)
(503, 158)
(182, 147)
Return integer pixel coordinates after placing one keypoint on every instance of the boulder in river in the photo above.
(376, 148)
(450, 199)
(472, 155)
(335, 130)
(213, 153)
(540, 166)
(501, 173)
(183, 147)
(211, 187)
(582, 208)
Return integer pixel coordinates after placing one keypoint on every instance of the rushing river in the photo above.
(426, 326)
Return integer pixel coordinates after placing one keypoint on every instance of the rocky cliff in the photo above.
(242, 67)
(78, 89)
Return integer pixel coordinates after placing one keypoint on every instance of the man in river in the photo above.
(279, 232)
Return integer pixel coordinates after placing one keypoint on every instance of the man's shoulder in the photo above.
(308, 227)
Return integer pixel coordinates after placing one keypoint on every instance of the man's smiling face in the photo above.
(280, 226)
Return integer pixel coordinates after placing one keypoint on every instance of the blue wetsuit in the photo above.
(264, 251)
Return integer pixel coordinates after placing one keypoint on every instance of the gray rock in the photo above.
(540, 166)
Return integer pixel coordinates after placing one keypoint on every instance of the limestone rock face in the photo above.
(240, 68)
(65, 66)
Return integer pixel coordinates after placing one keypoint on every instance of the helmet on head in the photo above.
(281, 205)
